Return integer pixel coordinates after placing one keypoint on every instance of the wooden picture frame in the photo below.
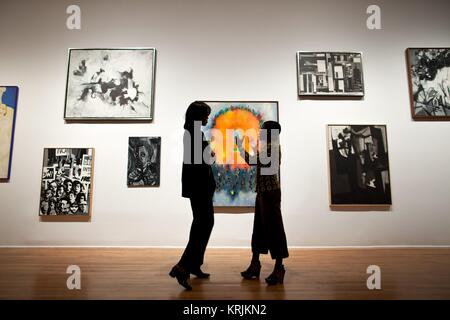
(429, 83)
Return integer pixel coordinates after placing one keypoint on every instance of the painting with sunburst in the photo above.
(236, 180)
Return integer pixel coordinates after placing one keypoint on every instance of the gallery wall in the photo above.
(225, 50)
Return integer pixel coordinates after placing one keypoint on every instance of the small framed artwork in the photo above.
(330, 74)
(235, 179)
(359, 165)
(66, 185)
(110, 84)
(8, 110)
(429, 83)
(144, 161)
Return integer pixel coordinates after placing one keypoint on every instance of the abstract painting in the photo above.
(8, 107)
(330, 74)
(359, 165)
(144, 161)
(429, 83)
(235, 180)
(110, 84)
(66, 185)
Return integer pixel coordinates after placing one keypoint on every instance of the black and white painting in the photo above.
(429, 76)
(66, 182)
(330, 73)
(359, 165)
(110, 84)
(144, 161)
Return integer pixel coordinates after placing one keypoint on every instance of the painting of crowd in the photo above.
(66, 182)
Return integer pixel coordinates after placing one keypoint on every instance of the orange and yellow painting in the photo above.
(236, 180)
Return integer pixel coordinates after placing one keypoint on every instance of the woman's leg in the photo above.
(207, 224)
(258, 243)
(276, 235)
(202, 224)
(259, 237)
(278, 263)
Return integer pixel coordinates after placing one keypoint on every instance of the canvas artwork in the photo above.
(429, 82)
(235, 180)
(359, 165)
(8, 107)
(66, 185)
(110, 84)
(330, 73)
(144, 161)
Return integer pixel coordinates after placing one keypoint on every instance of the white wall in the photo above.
(225, 50)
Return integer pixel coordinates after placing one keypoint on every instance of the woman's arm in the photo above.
(251, 160)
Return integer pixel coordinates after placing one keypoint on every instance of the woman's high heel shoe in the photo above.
(252, 271)
(277, 276)
(182, 276)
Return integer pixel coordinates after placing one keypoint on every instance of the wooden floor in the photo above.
(40, 273)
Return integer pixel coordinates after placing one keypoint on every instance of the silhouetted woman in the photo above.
(268, 230)
(198, 185)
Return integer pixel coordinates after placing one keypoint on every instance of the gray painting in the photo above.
(429, 74)
(330, 73)
(110, 84)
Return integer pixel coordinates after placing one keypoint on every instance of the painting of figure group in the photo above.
(66, 182)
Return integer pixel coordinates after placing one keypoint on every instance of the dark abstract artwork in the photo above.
(66, 182)
(235, 180)
(144, 161)
(429, 76)
(359, 165)
(110, 84)
(330, 73)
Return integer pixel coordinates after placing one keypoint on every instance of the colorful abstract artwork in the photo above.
(8, 107)
(236, 180)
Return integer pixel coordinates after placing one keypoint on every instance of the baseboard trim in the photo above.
(231, 247)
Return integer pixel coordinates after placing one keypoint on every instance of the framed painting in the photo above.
(429, 83)
(144, 161)
(235, 180)
(359, 165)
(8, 110)
(110, 84)
(66, 184)
(330, 74)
